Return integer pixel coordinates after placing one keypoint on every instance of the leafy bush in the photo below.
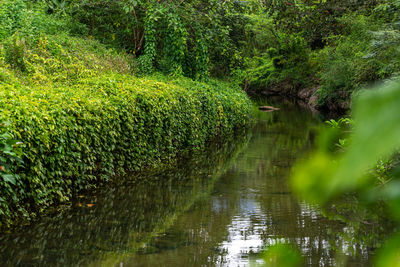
(366, 54)
(317, 21)
(15, 52)
(81, 123)
(16, 16)
(61, 58)
(192, 38)
(10, 157)
(388, 11)
(12, 14)
(79, 135)
(287, 60)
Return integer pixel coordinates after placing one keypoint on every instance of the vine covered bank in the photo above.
(74, 115)
(75, 137)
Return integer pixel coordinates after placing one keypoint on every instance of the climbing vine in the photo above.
(170, 48)
(202, 57)
(147, 59)
(174, 45)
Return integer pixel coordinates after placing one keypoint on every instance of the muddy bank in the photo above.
(306, 97)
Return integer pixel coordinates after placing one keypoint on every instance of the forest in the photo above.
(92, 91)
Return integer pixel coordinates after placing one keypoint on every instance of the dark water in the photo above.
(219, 208)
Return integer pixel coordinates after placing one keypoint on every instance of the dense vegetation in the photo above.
(150, 205)
(333, 46)
(94, 89)
(74, 115)
(275, 47)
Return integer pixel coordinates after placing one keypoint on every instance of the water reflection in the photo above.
(251, 207)
(119, 220)
(217, 209)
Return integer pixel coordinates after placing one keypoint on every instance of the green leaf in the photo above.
(10, 178)
(376, 135)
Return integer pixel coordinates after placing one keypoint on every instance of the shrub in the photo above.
(387, 10)
(80, 135)
(287, 60)
(81, 123)
(366, 54)
(61, 58)
(10, 157)
(189, 38)
(15, 52)
(12, 14)
(32, 21)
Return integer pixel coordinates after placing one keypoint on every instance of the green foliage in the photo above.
(285, 61)
(283, 45)
(164, 30)
(340, 123)
(343, 126)
(56, 5)
(367, 53)
(329, 175)
(119, 23)
(10, 157)
(190, 38)
(15, 52)
(174, 45)
(32, 21)
(82, 134)
(316, 20)
(146, 61)
(337, 46)
(197, 58)
(388, 11)
(61, 59)
(12, 14)
(81, 123)
(133, 213)
(226, 35)
(282, 255)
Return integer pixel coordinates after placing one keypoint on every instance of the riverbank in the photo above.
(307, 97)
(223, 205)
(123, 218)
(75, 115)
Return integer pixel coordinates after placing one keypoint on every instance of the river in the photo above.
(220, 207)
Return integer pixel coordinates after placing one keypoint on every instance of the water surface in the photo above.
(221, 207)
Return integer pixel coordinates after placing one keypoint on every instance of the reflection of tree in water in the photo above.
(367, 225)
(252, 206)
(118, 220)
(194, 237)
(299, 223)
(182, 217)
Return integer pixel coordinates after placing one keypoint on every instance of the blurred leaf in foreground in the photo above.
(376, 135)
(282, 255)
(329, 174)
(389, 255)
